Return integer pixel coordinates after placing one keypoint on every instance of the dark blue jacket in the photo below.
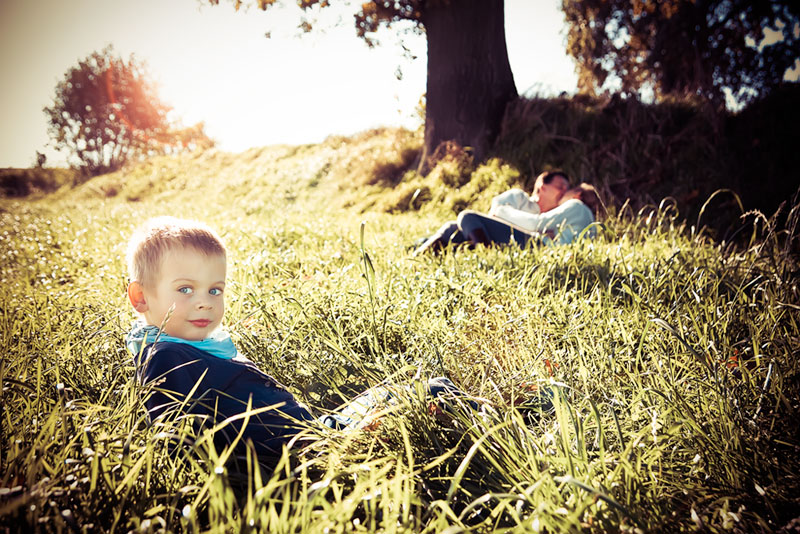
(219, 389)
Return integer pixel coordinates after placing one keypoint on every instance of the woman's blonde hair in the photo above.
(589, 196)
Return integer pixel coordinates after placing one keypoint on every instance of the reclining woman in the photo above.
(548, 189)
(575, 213)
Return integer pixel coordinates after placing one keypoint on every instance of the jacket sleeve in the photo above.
(169, 377)
(566, 220)
(529, 221)
(180, 379)
(516, 198)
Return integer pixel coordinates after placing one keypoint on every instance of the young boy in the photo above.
(178, 271)
(177, 286)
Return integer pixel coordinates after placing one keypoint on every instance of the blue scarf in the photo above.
(218, 344)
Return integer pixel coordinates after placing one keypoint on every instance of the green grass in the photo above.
(671, 359)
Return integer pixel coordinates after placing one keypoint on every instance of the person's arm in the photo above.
(530, 222)
(181, 379)
(516, 198)
(565, 221)
(169, 375)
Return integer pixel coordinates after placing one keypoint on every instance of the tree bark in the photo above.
(469, 76)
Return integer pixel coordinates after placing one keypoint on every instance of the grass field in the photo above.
(671, 359)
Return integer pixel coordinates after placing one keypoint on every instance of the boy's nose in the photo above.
(204, 304)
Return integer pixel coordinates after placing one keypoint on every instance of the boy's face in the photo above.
(194, 283)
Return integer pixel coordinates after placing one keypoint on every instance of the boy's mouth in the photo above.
(201, 323)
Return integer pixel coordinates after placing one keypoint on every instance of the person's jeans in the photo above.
(480, 228)
(359, 411)
(475, 228)
(448, 233)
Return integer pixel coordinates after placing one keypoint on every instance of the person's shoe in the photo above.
(539, 403)
(416, 244)
(433, 244)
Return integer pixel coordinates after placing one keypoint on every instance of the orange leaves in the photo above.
(667, 8)
(642, 6)
(732, 362)
(550, 366)
(107, 111)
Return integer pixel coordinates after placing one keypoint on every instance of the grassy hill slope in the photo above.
(670, 359)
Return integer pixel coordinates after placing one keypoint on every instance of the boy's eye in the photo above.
(215, 292)
(185, 290)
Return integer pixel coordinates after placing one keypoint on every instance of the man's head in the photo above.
(548, 189)
(178, 265)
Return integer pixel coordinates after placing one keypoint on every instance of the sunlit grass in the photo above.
(670, 362)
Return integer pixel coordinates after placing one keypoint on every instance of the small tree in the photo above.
(105, 112)
(697, 48)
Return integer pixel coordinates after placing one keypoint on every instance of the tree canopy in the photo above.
(697, 48)
(371, 15)
(106, 111)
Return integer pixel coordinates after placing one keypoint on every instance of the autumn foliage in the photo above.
(107, 112)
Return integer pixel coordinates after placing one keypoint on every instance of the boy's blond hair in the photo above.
(162, 234)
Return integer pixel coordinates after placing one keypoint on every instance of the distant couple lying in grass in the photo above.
(192, 369)
(554, 213)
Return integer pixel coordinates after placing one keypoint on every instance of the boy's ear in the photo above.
(136, 296)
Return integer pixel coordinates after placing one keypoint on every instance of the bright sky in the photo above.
(214, 64)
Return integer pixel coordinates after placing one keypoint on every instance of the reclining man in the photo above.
(548, 189)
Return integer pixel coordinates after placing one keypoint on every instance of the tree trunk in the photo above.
(469, 77)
